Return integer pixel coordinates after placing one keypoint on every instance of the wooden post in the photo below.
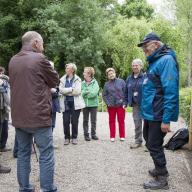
(190, 125)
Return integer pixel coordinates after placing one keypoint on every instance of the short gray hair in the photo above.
(138, 61)
(29, 36)
(72, 65)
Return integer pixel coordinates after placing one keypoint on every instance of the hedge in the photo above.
(185, 102)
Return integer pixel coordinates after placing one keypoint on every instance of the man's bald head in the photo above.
(34, 39)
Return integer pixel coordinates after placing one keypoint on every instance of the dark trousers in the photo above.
(53, 118)
(4, 134)
(71, 117)
(93, 114)
(154, 138)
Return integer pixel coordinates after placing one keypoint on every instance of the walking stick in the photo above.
(35, 151)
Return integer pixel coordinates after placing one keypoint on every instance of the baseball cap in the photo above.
(149, 37)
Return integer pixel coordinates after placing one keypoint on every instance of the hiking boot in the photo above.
(5, 169)
(135, 145)
(74, 141)
(158, 183)
(5, 149)
(158, 172)
(66, 142)
(87, 138)
(94, 137)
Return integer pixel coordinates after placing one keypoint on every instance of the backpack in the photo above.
(179, 138)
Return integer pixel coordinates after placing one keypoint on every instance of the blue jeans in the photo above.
(44, 141)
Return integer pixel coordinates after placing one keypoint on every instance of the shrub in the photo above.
(185, 102)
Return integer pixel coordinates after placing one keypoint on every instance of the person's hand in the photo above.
(165, 128)
(124, 106)
(53, 90)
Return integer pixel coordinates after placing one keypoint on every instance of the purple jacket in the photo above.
(114, 92)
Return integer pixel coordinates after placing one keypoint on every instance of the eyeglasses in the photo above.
(147, 45)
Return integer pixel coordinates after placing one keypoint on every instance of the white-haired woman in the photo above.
(133, 98)
(71, 102)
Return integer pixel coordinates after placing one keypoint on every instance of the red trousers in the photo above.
(120, 112)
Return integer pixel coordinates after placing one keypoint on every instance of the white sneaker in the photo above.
(112, 139)
(122, 139)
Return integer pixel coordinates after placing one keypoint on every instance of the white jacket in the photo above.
(74, 91)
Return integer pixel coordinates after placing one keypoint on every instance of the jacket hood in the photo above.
(163, 50)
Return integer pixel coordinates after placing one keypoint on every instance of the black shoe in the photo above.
(5, 169)
(159, 183)
(157, 172)
(94, 137)
(87, 138)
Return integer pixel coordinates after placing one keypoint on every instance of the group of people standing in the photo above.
(117, 94)
(37, 94)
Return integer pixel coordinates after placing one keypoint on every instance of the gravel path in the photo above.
(101, 166)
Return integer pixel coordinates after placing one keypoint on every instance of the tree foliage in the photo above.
(74, 33)
(136, 8)
(184, 19)
(121, 43)
(97, 33)
(16, 17)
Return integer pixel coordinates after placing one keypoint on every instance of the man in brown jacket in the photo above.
(31, 77)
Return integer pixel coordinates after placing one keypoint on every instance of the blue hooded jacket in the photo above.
(160, 91)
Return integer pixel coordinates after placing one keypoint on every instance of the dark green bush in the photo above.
(185, 102)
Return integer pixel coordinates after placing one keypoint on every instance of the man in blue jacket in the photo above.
(160, 103)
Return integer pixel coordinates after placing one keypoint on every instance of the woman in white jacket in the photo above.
(71, 102)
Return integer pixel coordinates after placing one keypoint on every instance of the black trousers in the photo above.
(4, 134)
(93, 114)
(71, 117)
(154, 138)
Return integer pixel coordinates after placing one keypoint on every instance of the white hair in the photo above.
(30, 36)
(138, 61)
(72, 65)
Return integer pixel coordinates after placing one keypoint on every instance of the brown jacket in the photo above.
(31, 77)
